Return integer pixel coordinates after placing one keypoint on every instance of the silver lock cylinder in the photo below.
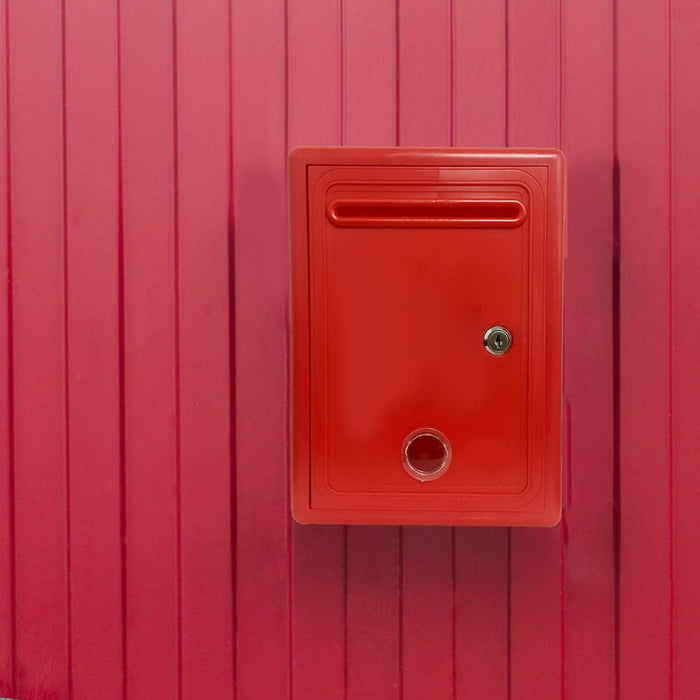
(497, 340)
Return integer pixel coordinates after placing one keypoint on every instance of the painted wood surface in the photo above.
(146, 548)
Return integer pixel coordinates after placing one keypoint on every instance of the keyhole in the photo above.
(497, 340)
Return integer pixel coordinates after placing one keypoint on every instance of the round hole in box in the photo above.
(426, 454)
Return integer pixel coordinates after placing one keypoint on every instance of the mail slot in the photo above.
(426, 335)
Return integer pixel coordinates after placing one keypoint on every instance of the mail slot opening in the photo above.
(418, 213)
(426, 454)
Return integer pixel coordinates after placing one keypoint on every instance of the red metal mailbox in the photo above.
(426, 335)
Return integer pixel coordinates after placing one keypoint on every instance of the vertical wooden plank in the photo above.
(427, 611)
(481, 554)
(533, 46)
(479, 73)
(314, 73)
(92, 264)
(642, 153)
(36, 162)
(318, 623)
(424, 73)
(370, 72)
(685, 323)
(373, 613)
(203, 289)
(481, 608)
(373, 553)
(261, 289)
(589, 625)
(7, 651)
(150, 419)
(425, 119)
(533, 31)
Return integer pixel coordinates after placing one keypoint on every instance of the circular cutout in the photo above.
(426, 454)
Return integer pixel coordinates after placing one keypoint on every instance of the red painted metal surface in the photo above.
(146, 548)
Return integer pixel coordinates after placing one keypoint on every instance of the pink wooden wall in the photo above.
(147, 554)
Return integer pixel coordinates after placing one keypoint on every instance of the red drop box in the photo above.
(426, 335)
